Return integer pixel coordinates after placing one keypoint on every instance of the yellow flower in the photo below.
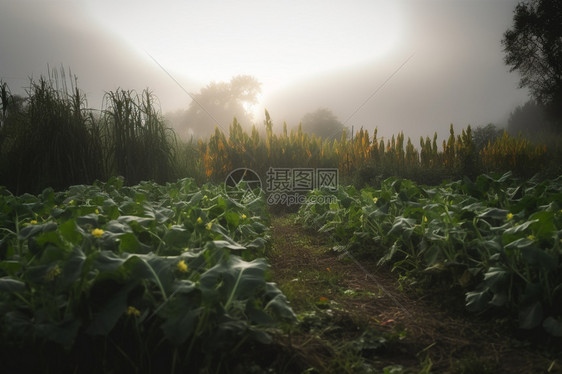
(205, 197)
(199, 220)
(97, 233)
(52, 274)
(424, 219)
(509, 216)
(209, 225)
(531, 237)
(182, 266)
(132, 311)
(33, 222)
(186, 249)
(243, 216)
(375, 200)
(97, 211)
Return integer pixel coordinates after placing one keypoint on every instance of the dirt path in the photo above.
(356, 319)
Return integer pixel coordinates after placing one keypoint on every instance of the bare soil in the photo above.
(354, 317)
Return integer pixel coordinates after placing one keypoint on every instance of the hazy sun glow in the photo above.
(276, 42)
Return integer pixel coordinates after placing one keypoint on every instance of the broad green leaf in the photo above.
(553, 326)
(29, 231)
(63, 332)
(478, 301)
(114, 306)
(177, 236)
(73, 267)
(11, 285)
(70, 231)
(530, 316)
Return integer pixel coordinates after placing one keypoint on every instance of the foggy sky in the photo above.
(455, 75)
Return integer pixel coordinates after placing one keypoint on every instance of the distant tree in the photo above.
(483, 135)
(533, 47)
(322, 123)
(218, 104)
(529, 119)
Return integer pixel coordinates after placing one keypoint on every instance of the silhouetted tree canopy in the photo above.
(533, 47)
(483, 135)
(322, 123)
(218, 104)
(529, 119)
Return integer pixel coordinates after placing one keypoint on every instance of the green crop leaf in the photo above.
(63, 332)
(11, 285)
(113, 307)
(177, 236)
(553, 326)
(478, 301)
(73, 267)
(530, 316)
(70, 231)
(29, 231)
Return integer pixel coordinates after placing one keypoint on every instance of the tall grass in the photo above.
(138, 145)
(49, 138)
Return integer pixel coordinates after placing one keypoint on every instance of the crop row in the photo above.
(498, 238)
(148, 277)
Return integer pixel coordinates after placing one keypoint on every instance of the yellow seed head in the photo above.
(132, 311)
(97, 233)
(182, 266)
(52, 274)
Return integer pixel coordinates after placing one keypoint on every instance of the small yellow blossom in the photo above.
(33, 222)
(182, 266)
(97, 211)
(509, 216)
(424, 219)
(243, 216)
(199, 220)
(186, 249)
(531, 237)
(132, 311)
(205, 197)
(52, 274)
(97, 233)
(375, 199)
(209, 225)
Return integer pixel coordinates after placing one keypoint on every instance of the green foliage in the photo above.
(497, 238)
(156, 273)
(138, 146)
(533, 47)
(50, 139)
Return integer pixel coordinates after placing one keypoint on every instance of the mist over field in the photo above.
(412, 66)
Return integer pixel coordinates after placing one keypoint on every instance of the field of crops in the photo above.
(498, 239)
(173, 278)
(144, 278)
